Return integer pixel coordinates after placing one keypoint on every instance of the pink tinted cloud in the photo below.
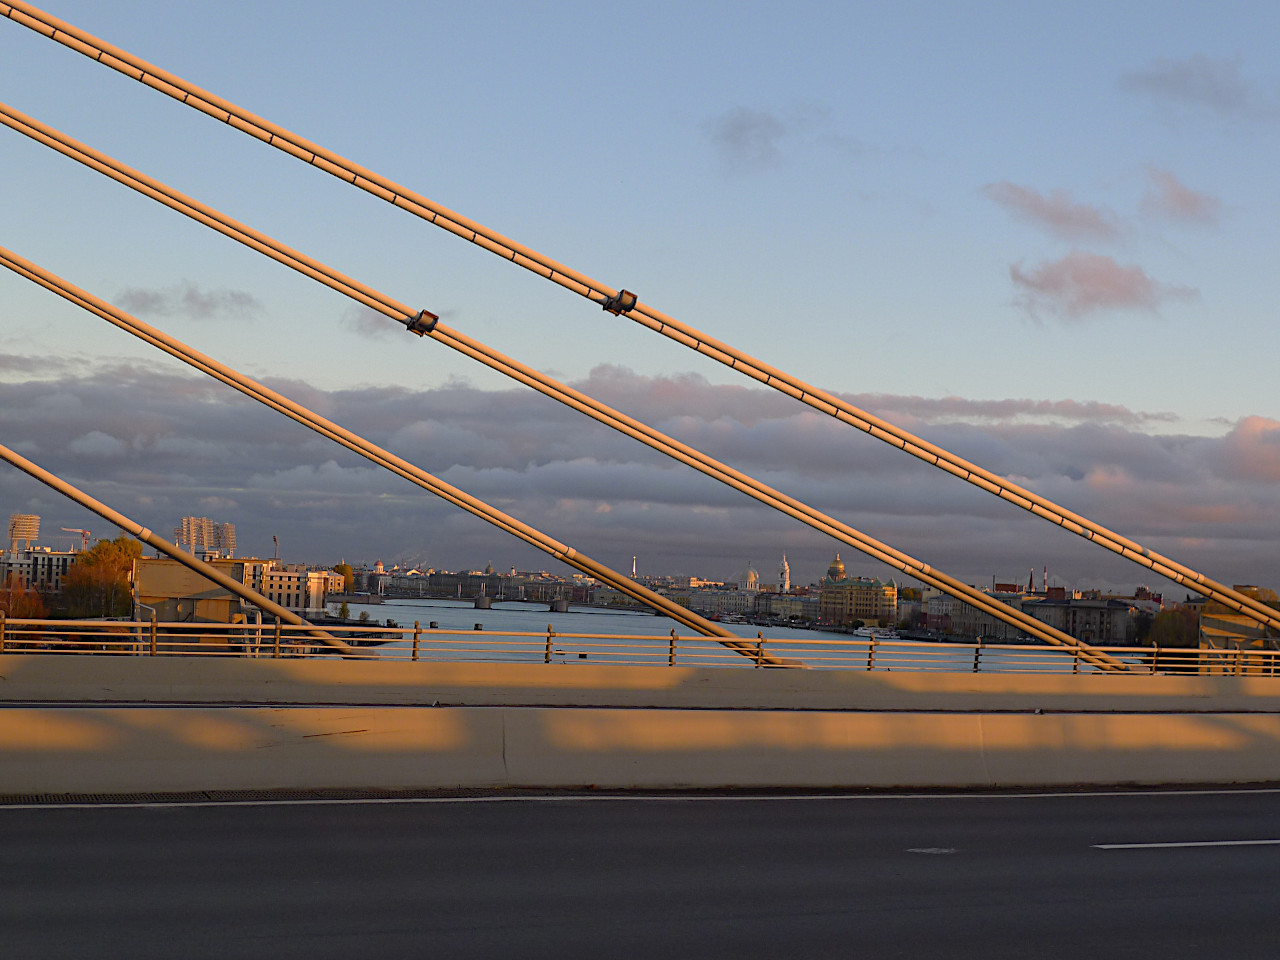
(1252, 449)
(1168, 197)
(1058, 212)
(1082, 283)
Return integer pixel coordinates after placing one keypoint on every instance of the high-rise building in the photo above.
(23, 528)
(203, 534)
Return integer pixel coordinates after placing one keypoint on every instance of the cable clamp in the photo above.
(423, 323)
(624, 301)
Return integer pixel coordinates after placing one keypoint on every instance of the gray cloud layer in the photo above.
(186, 299)
(160, 446)
(1199, 81)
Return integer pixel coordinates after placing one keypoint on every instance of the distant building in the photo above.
(24, 528)
(299, 588)
(182, 595)
(202, 535)
(748, 581)
(843, 600)
(37, 568)
(1222, 628)
(1095, 620)
(179, 594)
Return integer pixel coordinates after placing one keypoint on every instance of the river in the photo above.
(816, 648)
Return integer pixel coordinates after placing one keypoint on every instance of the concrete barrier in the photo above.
(128, 749)
(93, 724)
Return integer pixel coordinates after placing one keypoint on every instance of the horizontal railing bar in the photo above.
(844, 653)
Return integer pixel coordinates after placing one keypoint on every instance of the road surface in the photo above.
(960, 877)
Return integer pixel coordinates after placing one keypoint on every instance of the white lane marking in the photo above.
(1186, 843)
(933, 850)
(627, 798)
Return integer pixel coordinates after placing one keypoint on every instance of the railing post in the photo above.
(759, 649)
(977, 652)
(2, 630)
(275, 649)
(417, 631)
(671, 653)
(1239, 659)
(153, 633)
(1155, 658)
(871, 654)
(550, 634)
(1075, 659)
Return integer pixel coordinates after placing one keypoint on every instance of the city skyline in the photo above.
(1018, 257)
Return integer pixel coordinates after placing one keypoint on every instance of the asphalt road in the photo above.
(942, 876)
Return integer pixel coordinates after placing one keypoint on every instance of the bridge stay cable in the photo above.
(381, 457)
(625, 303)
(189, 560)
(426, 324)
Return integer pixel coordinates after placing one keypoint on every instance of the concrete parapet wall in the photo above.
(131, 749)
(235, 680)
(143, 724)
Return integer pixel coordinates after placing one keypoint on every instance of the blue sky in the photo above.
(988, 202)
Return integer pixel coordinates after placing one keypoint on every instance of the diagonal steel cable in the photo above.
(626, 304)
(381, 457)
(192, 562)
(419, 323)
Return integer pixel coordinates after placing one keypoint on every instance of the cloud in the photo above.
(97, 444)
(370, 323)
(188, 300)
(1196, 81)
(1168, 197)
(158, 446)
(1082, 283)
(750, 140)
(747, 139)
(1058, 212)
(24, 365)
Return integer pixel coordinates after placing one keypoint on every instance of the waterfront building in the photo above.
(299, 588)
(842, 600)
(1093, 620)
(937, 610)
(179, 594)
(748, 581)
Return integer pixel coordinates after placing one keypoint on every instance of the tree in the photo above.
(1179, 627)
(344, 611)
(99, 584)
(348, 575)
(20, 602)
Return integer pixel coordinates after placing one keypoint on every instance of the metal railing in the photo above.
(275, 640)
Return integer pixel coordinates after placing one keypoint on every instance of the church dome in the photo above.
(748, 579)
(836, 570)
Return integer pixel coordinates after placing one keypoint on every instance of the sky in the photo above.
(1037, 235)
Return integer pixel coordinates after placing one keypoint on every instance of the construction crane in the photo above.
(84, 536)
